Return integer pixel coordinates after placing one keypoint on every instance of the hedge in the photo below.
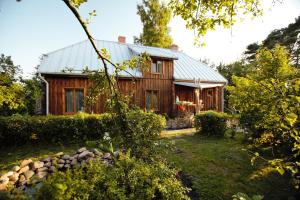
(23, 130)
(211, 123)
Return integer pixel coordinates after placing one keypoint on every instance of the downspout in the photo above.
(47, 92)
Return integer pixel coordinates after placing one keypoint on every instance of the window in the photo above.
(152, 100)
(74, 101)
(156, 66)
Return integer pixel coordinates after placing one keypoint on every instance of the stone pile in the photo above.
(180, 122)
(30, 171)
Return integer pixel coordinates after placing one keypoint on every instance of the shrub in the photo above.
(128, 178)
(211, 123)
(21, 130)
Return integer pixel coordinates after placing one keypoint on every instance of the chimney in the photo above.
(122, 39)
(174, 47)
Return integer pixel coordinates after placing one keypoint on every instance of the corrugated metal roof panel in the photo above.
(152, 51)
(82, 55)
(198, 85)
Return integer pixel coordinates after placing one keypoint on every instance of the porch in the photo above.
(196, 97)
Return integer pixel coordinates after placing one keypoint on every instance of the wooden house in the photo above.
(174, 78)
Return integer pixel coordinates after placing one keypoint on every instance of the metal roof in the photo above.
(81, 55)
(198, 85)
(152, 51)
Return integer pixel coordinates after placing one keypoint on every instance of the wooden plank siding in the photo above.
(162, 82)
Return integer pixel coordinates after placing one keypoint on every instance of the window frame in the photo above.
(156, 60)
(74, 99)
(158, 99)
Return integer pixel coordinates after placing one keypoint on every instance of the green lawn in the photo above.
(13, 156)
(220, 168)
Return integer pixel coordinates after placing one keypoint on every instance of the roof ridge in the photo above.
(65, 47)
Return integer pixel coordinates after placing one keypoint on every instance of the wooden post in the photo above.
(197, 100)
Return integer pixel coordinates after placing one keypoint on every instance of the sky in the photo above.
(31, 28)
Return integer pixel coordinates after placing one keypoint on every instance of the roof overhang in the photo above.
(199, 85)
(153, 52)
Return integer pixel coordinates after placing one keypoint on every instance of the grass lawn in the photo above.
(10, 157)
(220, 168)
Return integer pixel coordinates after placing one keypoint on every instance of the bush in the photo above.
(211, 123)
(128, 178)
(21, 130)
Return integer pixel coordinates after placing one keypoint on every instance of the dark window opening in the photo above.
(152, 100)
(74, 100)
(156, 66)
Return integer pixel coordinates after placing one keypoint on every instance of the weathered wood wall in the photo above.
(150, 81)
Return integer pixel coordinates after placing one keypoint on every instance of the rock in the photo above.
(7, 174)
(4, 180)
(74, 162)
(2, 186)
(36, 165)
(42, 169)
(23, 169)
(47, 164)
(22, 178)
(75, 156)
(52, 169)
(59, 154)
(47, 159)
(41, 175)
(14, 177)
(28, 174)
(68, 161)
(65, 157)
(97, 152)
(16, 168)
(83, 154)
(90, 159)
(81, 150)
(107, 156)
(25, 163)
(67, 166)
(60, 166)
(61, 161)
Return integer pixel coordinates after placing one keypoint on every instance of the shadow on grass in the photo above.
(219, 168)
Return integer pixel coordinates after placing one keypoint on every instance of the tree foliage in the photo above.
(11, 98)
(205, 15)
(155, 17)
(288, 37)
(268, 99)
(16, 95)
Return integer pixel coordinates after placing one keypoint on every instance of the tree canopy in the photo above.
(155, 17)
(205, 15)
(288, 36)
(268, 101)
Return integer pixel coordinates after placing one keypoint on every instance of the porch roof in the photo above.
(198, 85)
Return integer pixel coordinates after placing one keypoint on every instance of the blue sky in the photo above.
(33, 27)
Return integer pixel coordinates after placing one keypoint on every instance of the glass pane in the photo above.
(154, 67)
(148, 100)
(69, 100)
(159, 66)
(79, 100)
(154, 100)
